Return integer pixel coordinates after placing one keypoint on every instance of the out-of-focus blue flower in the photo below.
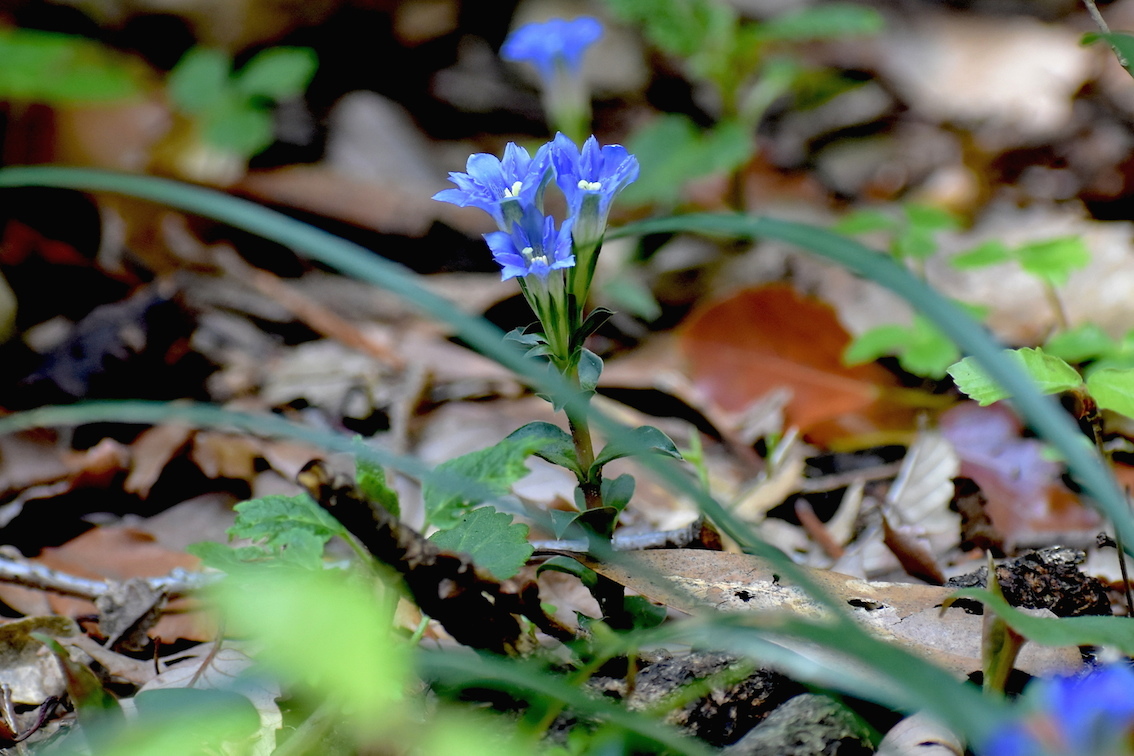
(501, 187)
(1092, 715)
(533, 246)
(552, 43)
(590, 178)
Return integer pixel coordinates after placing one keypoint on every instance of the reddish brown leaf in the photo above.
(740, 348)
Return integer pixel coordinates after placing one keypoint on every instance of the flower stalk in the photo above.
(554, 263)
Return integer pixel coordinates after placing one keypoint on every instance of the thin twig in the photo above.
(30, 575)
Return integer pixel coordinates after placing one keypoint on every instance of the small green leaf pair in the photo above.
(233, 109)
(1111, 388)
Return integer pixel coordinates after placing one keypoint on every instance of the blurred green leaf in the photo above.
(199, 80)
(865, 222)
(672, 151)
(1051, 375)
(1085, 342)
(824, 21)
(278, 73)
(921, 348)
(325, 632)
(58, 69)
(989, 253)
(494, 542)
(238, 126)
(1054, 260)
(617, 492)
(1113, 389)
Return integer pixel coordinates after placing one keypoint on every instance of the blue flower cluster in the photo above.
(554, 43)
(1091, 715)
(511, 191)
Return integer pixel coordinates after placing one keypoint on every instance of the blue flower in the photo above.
(552, 43)
(1090, 715)
(533, 246)
(590, 178)
(501, 187)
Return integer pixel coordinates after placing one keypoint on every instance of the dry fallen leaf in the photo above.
(115, 554)
(904, 613)
(740, 348)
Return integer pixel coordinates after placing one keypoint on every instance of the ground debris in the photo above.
(1045, 579)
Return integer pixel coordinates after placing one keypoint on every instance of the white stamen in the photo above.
(527, 252)
(515, 190)
(590, 186)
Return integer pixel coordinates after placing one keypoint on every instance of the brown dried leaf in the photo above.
(740, 348)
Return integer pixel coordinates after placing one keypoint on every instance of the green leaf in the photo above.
(278, 73)
(200, 80)
(270, 518)
(865, 222)
(372, 482)
(930, 218)
(672, 151)
(1122, 44)
(990, 253)
(1082, 343)
(566, 564)
(915, 242)
(492, 471)
(1053, 260)
(590, 370)
(594, 321)
(555, 444)
(237, 126)
(824, 21)
(617, 492)
(1051, 375)
(641, 440)
(324, 632)
(1057, 631)
(562, 521)
(725, 147)
(921, 348)
(492, 540)
(53, 68)
(680, 27)
(522, 335)
(1113, 389)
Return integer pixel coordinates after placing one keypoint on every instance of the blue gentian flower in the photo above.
(553, 43)
(590, 178)
(501, 187)
(534, 246)
(1091, 715)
